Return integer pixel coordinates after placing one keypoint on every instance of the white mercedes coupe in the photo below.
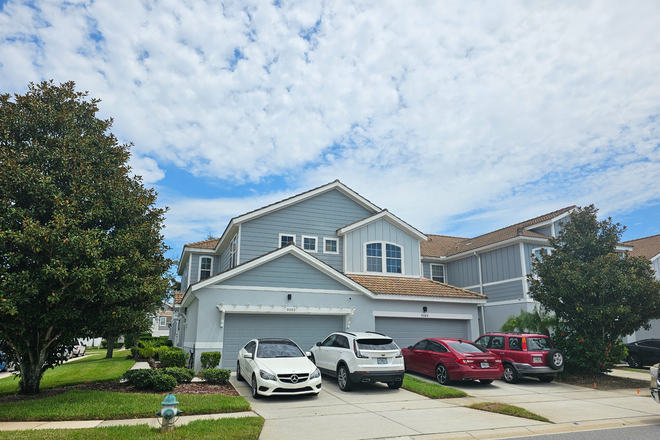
(277, 367)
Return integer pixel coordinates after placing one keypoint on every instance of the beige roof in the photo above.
(412, 287)
(178, 297)
(439, 245)
(647, 247)
(447, 247)
(206, 244)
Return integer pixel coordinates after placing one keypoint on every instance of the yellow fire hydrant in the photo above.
(168, 412)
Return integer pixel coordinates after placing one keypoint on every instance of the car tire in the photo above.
(395, 385)
(634, 361)
(344, 378)
(441, 374)
(510, 374)
(546, 379)
(486, 381)
(239, 376)
(255, 391)
(555, 359)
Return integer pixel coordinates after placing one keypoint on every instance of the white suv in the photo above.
(359, 357)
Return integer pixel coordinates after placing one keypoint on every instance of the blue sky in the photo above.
(460, 117)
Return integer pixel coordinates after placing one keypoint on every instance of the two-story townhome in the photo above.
(321, 261)
(161, 322)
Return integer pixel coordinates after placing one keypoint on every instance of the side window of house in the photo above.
(328, 341)
(438, 272)
(330, 246)
(163, 321)
(540, 252)
(286, 239)
(205, 264)
(309, 243)
(515, 344)
(233, 251)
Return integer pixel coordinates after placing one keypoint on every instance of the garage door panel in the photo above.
(407, 331)
(304, 330)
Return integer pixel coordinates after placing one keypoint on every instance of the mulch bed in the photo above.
(603, 381)
(198, 388)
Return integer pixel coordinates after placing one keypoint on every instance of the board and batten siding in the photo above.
(501, 264)
(381, 230)
(463, 272)
(195, 262)
(184, 279)
(505, 291)
(224, 259)
(318, 217)
(285, 272)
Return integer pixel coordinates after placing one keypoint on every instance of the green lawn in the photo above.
(432, 390)
(92, 368)
(510, 410)
(247, 428)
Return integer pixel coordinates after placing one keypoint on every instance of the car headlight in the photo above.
(315, 374)
(265, 375)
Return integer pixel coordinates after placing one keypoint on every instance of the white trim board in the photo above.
(285, 289)
(511, 301)
(421, 315)
(387, 216)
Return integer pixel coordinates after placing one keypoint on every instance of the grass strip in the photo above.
(92, 368)
(509, 410)
(104, 405)
(244, 428)
(432, 390)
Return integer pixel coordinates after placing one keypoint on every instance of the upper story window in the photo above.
(438, 272)
(286, 239)
(540, 251)
(205, 265)
(233, 252)
(330, 246)
(309, 243)
(392, 261)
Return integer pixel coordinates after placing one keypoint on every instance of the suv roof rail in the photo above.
(376, 333)
(348, 333)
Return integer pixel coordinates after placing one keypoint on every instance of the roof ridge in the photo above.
(447, 236)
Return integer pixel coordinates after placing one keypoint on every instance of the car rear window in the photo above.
(376, 344)
(466, 347)
(278, 350)
(539, 344)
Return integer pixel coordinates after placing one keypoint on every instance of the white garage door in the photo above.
(407, 331)
(304, 330)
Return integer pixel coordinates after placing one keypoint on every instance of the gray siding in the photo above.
(501, 264)
(224, 259)
(558, 227)
(318, 217)
(546, 230)
(426, 269)
(656, 266)
(464, 272)
(194, 266)
(286, 271)
(381, 230)
(184, 279)
(504, 291)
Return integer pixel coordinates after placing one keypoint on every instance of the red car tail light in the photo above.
(356, 350)
(524, 342)
(465, 361)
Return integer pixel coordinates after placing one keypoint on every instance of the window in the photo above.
(163, 321)
(330, 246)
(497, 342)
(340, 342)
(438, 272)
(438, 348)
(286, 239)
(539, 252)
(374, 257)
(393, 258)
(233, 251)
(515, 344)
(309, 243)
(328, 341)
(205, 267)
(392, 263)
(421, 345)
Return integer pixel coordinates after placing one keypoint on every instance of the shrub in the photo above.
(182, 375)
(163, 382)
(148, 350)
(142, 379)
(216, 375)
(210, 359)
(173, 357)
(129, 340)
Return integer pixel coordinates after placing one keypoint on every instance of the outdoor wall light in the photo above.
(425, 309)
(288, 297)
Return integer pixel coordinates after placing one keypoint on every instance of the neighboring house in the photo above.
(321, 261)
(161, 323)
(647, 247)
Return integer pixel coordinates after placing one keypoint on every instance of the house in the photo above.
(160, 324)
(647, 247)
(321, 261)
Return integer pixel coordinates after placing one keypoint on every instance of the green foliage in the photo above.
(597, 295)
(530, 322)
(430, 389)
(163, 382)
(216, 375)
(147, 349)
(182, 375)
(142, 378)
(173, 357)
(210, 359)
(80, 245)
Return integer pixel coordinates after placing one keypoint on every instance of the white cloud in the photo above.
(432, 109)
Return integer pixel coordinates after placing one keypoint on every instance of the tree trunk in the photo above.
(111, 346)
(136, 340)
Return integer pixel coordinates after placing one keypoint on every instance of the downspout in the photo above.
(481, 290)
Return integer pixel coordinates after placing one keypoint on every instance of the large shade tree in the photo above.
(597, 293)
(80, 242)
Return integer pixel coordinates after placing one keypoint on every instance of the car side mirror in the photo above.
(410, 347)
(318, 344)
(308, 354)
(247, 355)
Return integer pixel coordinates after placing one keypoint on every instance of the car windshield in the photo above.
(281, 349)
(539, 344)
(376, 344)
(466, 347)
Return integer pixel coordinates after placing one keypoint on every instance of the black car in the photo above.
(644, 352)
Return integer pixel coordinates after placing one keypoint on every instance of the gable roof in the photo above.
(388, 216)
(648, 247)
(446, 247)
(381, 285)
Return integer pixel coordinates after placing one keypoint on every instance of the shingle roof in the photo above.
(381, 285)
(517, 230)
(178, 297)
(647, 247)
(439, 245)
(206, 244)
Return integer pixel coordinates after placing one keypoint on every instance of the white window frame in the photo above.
(163, 321)
(199, 272)
(444, 272)
(383, 257)
(326, 239)
(316, 243)
(233, 253)
(547, 249)
(279, 239)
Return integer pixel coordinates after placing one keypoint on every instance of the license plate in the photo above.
(537, 359)
(382, 360)
(484, 365)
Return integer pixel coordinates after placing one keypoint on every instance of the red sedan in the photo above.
(452, 359)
